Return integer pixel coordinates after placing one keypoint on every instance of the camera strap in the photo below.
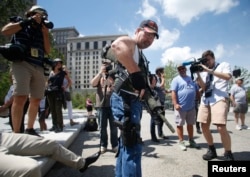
(210, 78)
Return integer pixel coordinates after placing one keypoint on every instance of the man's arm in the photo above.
(162, 84)
(46, 41)
(123, 49)
(174, 100)
(221, 75)
(11, 28)
(95, 81)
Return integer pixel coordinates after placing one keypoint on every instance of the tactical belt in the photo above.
(126, 93)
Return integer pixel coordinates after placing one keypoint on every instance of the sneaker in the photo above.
(238, 127)
(89, 160)
(115, 149)
(244, 127)
(182, 146)
(211, 154)
(228, 156)
(193, 144)
(31, 131)
(103, 150)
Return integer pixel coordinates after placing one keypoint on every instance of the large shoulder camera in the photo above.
(195, 66)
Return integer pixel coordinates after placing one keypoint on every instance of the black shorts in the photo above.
(89, 108)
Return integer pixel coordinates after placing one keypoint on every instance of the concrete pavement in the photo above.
(164, 159)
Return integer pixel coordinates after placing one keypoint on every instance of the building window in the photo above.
(104, 43)
(87, 45)
(78, 46)
(95, 45)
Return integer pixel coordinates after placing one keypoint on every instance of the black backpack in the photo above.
(91, 124)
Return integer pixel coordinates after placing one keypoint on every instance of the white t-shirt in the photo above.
(239, 94)
(220, 86)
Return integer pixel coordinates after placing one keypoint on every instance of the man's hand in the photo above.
(138, 81)
(177, 107)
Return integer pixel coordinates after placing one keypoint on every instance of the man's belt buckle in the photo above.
(34, 52)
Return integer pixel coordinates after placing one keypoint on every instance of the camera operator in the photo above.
(214, 103)
(33, 33)
(104, 83)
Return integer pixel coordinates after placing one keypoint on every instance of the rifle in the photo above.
(154, 107)
(150, 100)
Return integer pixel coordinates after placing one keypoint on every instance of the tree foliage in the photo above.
(245, 74)
(79, 99)
(170, 72)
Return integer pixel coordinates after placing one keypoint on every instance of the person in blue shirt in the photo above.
(184, 92)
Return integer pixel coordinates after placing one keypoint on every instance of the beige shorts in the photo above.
(185, 116)
(28, 79)
(217, 113)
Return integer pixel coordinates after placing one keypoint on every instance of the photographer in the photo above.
(161, 91)
(28, 72)
(214, 103)
(104, 83)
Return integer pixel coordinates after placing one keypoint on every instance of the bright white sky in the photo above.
(186, 27)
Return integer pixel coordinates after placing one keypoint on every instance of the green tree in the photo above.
(170, 72)
(79, 99)
(244, 73)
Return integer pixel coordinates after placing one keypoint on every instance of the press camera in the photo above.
(195, 66)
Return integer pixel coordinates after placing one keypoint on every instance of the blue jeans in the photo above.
(128, 163)
(105, 115)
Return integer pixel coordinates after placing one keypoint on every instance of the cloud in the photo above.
(181, 54)
(185, 10)
(178, 55)
(167, 39)
(147, 10)
(219, 51)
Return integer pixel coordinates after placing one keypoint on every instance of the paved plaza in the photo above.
(164, 159)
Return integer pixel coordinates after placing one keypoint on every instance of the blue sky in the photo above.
(186, 27)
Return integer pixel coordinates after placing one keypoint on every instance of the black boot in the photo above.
(211, 153)
(89, 160)
(228, 156)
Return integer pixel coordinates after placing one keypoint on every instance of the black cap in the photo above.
(150, 26)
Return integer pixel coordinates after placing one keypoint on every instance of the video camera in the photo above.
(195, 66)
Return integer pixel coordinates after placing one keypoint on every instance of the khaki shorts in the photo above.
(217, 113)
(185, 116)
(28, 79)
